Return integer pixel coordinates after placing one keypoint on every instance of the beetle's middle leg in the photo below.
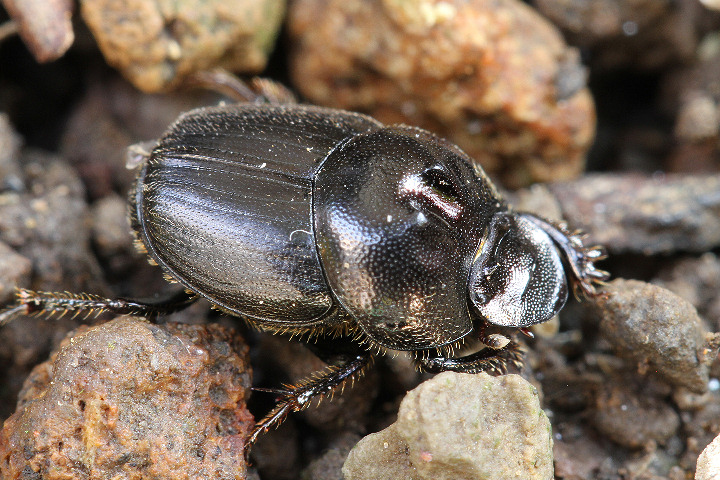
(29, 302)
(297, 397)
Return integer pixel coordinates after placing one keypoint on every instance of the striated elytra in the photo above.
(365, 237)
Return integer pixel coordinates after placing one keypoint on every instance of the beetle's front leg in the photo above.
(491, 360)
(580, 259)
(29, 302)
(297, 397)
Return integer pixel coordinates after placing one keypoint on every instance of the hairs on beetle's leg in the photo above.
(494, 361)
(29, 302)
(297, 397)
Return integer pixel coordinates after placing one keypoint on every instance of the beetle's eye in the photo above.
(437, 179)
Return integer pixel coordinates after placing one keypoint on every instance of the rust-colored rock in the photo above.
(156, 43)
(494, 77)
(130, 399)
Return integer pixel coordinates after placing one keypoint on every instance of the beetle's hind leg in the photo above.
(494, 361)
(49, 304)
(259, 90)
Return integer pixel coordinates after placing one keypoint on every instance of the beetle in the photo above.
(364, 237)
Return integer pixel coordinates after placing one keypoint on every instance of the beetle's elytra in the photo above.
(306, 219)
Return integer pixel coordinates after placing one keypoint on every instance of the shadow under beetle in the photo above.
(365, 237)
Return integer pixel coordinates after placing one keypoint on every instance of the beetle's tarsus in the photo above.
(494, 361)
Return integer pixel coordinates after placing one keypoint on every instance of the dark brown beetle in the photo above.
(365, 237)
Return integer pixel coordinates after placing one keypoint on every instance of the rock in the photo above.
(329, 465)
(631, 415)
(656, 328)
(156, 43)
(112, 237)
(493, 77)
(47, 222)
(380, 455)
(708, 464)
(697, 280)
(641, 34)
(14, 270)
(460, 426)
(129, 399)
(44, 25)
(10, 143)
(629, 213)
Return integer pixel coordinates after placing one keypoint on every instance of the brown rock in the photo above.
(630, 415)
(156, 43)
(492, 76)
(639, 34)
(630, 213)
(44, 25)
(130, 399)
(657, 329)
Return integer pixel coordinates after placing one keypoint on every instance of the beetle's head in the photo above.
(517, 277)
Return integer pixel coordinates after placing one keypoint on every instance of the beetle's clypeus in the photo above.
(367, 237)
